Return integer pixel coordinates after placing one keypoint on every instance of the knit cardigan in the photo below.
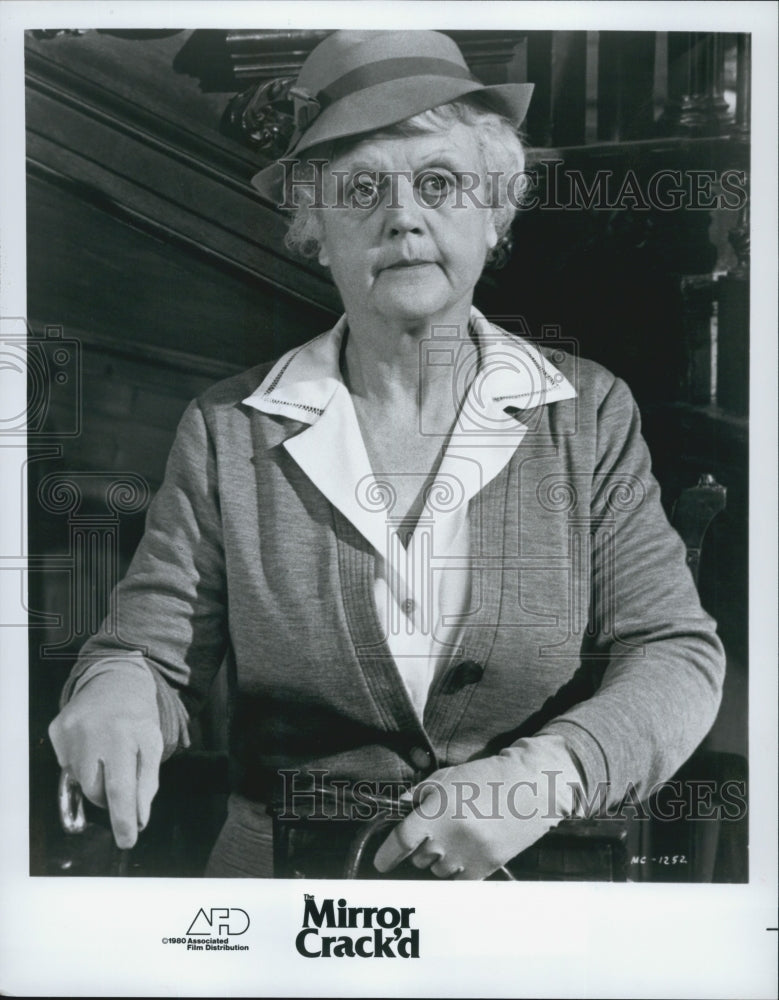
(585, 621)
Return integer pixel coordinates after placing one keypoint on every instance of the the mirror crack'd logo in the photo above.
(360, 931)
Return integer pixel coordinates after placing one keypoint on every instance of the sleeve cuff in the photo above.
(549, 754)
(588, 758)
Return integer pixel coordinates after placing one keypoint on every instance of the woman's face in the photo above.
(402, 239)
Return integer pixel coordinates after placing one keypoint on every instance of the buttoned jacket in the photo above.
(584, 619)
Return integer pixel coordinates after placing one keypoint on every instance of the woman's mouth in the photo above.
(404, 265)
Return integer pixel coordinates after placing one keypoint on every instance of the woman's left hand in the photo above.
(470, 819)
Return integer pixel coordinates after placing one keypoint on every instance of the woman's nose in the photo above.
(402, 209)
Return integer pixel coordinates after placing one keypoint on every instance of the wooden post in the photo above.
(625, 85)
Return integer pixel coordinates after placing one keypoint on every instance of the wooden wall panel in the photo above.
(91, 271)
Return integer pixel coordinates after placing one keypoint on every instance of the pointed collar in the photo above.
(511, 374)
(503, 374)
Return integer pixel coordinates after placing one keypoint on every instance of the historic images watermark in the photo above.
(316, 796)
(548, 185)
(45, 371)
(499, 383)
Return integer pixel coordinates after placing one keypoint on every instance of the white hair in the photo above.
(503, 160)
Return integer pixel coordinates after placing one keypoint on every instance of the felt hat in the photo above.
(356, 82)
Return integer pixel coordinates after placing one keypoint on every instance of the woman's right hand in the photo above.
(108, 737)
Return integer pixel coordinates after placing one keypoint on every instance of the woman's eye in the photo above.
(434, 186)
(364, 187)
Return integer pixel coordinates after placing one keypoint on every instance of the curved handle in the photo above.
(354, 859)
(71, 803)
(70, 800)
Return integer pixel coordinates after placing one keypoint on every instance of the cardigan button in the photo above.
(420, 757)
(465, 673)
(469, 672)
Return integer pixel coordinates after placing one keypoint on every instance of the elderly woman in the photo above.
(432, 553)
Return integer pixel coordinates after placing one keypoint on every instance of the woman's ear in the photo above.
(318, 232)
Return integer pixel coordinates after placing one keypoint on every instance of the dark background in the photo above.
(157, 270)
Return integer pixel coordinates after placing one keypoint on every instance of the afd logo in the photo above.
(219, 921)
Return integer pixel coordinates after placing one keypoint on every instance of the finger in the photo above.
(67, 743)
(85, 768)
(446, 868)
(55, 736)
(121, 782)
(149, 757)
(425, 855)
(399, 845)
(92, 781)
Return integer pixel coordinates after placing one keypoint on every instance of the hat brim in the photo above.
(386, 104)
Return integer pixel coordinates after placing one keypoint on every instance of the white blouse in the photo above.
(422, 590)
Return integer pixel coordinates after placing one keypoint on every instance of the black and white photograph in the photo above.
(389, 499)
